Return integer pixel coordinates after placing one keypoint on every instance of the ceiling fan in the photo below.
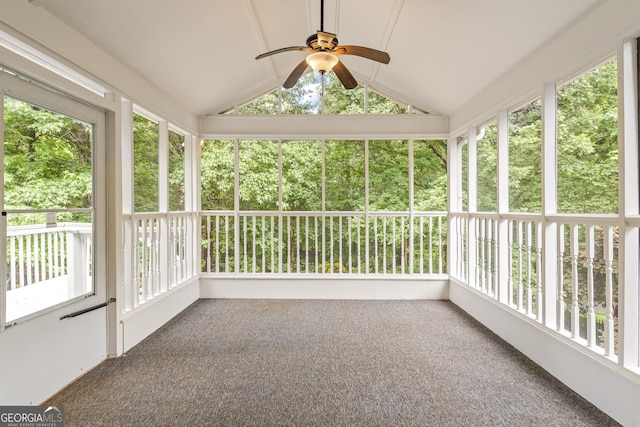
(323, 51)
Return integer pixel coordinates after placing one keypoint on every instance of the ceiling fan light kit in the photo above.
(323, 51)
(322, 62)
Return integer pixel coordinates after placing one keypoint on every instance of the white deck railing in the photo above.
(586, 276)
(36, 253)
(45, 266)
(157, 255)
(319, 243)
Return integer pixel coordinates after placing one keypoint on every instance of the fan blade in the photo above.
(345, 76)
(295, 75)
(365, 52)
(284, 49)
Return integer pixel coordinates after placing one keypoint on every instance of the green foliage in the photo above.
(344, 176)
(47, 158)
(588, 142)
(145, 164)
(176, 171)
(525, 158)
(487, 152)
(217, 175)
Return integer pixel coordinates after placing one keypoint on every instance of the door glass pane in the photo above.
(49, 202)
(47, 158)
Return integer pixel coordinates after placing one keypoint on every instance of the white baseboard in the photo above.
(145, 320)
(613, 389)
(323, 288)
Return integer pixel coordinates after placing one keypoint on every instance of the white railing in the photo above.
(586, 272)
(329, 242)
(157, 255)
(36, 253)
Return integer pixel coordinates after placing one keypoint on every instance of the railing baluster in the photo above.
(253, 244)
(539, 281)
(591, 314)
(560, 278)
(528, 280)
(359, 237)
(350, 245)
(609, 334)
(262, 240)
(306, 243)
(315, 224)
(440, 251)
(376, 245)
(520, 244)
(245, 254)
(297, 244)
(216, 248)
(340, 244)
(273, 247)
(575, 308)
(510, 281)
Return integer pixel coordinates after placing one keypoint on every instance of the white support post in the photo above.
(163, 205)
(503, 256)
(453, 204)
(192, 204)
(472, 246)
(550, 275)
(629, 205)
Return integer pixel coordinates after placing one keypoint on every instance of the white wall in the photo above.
(366, 288)
(606, 385)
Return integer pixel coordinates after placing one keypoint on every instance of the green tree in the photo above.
(47, 159)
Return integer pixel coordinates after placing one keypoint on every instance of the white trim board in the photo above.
(148, 318)
(323, 288)
(606, 385)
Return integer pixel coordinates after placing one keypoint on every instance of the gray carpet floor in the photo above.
(323, 363)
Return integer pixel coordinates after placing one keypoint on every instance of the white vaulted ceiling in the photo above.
(201, 52)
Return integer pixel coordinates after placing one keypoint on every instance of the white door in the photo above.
(53, 323)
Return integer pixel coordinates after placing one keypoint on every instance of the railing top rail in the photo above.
(587, 219)
(22, 230)
(590, 219)
(325, 213)
(159, 215)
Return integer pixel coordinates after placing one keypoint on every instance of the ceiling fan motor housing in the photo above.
(322, 41)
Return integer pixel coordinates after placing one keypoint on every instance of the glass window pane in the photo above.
(47, 158)
(145, 164)
(525, 158)
(389, 175)
(488, 169)
(49, 260)
(266, 104)
(301, 176)
(430, 175)
(259, 177)
(217, 175)
(344, 176)
(176, 171)
(379, 104)
(588, 142)
(304, 97)
(463, 190)
(338, 100)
